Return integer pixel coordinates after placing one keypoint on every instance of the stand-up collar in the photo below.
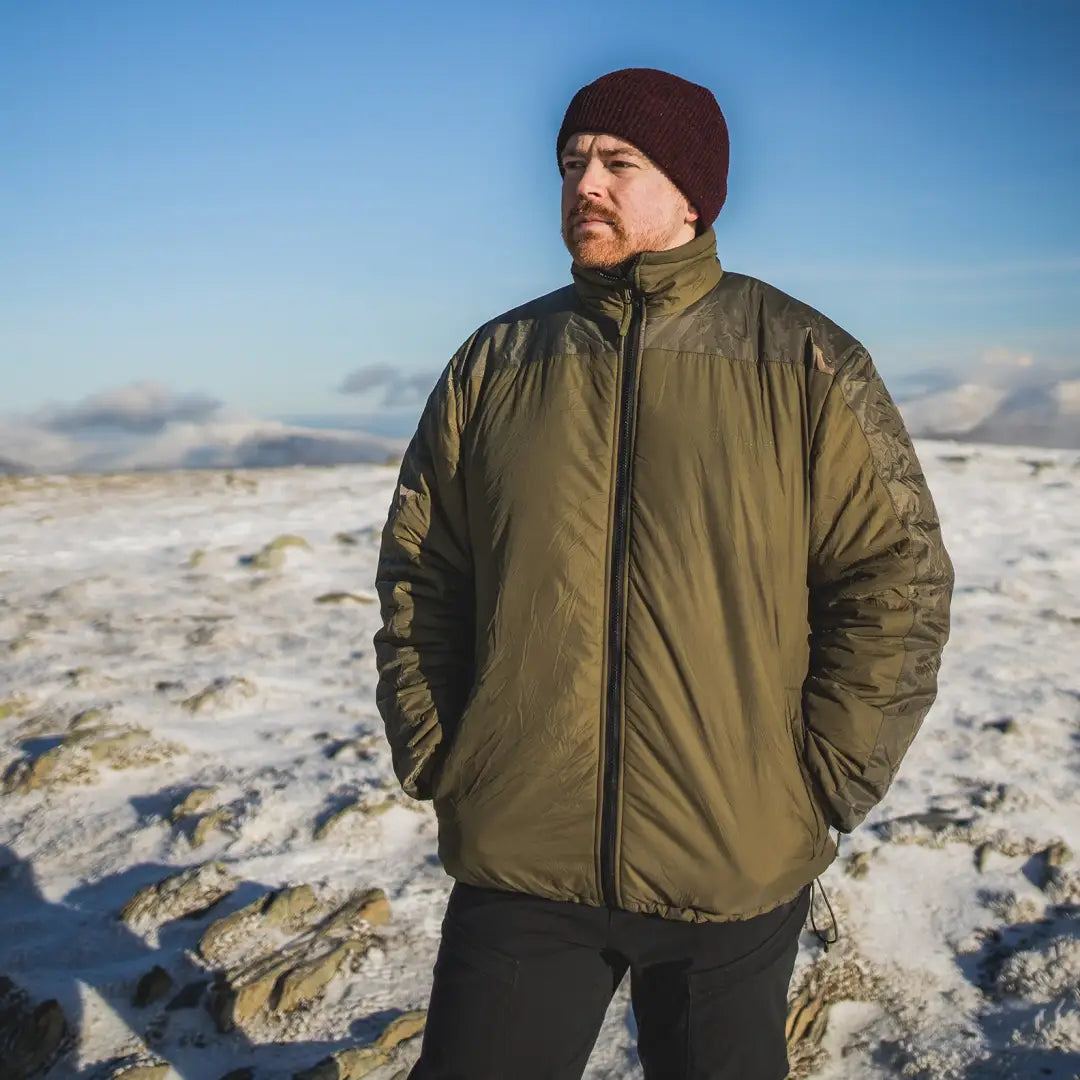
(669, 280)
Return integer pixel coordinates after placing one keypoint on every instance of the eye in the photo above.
(621, 163)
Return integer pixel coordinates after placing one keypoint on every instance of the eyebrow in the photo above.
(619, 151)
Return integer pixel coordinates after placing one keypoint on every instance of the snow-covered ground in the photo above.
(154, 600)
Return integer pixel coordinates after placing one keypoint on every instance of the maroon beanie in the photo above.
(678, 124)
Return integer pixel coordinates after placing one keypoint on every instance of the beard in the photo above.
(597, 250)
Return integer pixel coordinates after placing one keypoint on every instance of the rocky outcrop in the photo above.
(285, 978)
(272, 555)
(183, 894)
(87, 746)
(31, 1037)
(356, 1062)
(223, 693)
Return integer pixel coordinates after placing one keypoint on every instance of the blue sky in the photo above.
(252, 200)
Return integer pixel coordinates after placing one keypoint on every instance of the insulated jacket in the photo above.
(663, 594)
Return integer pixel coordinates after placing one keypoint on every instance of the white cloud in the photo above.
(140, 408)
(389, 387)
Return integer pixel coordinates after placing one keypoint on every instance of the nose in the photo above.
(589, 181)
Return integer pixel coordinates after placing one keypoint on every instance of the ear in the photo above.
(691, 214)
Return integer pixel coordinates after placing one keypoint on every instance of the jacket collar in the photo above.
(669, 281)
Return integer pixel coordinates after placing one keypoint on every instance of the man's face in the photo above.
(616, 202)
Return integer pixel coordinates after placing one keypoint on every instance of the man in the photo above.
(664, 598)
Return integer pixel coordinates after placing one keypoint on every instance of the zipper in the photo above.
(631, 333)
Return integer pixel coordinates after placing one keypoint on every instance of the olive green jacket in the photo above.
(663, 594)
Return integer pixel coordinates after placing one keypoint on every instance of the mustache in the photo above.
(585, 208)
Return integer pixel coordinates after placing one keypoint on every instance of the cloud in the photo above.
(148, 426)
(139, 409)
(389, 387)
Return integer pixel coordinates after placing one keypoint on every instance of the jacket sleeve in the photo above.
(424, 580)
(880, 584)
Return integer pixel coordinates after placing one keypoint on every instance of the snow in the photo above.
(131, 594)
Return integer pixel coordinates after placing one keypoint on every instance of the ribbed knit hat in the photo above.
(676, 123)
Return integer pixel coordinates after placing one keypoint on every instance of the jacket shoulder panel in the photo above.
(549, 325)
(750, 320)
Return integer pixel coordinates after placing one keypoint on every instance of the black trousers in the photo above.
(521, 986)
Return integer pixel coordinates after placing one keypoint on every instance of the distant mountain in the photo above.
(228, 444)
(1027, 415)
(12, 468)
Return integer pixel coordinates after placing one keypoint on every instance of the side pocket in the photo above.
(798, 739)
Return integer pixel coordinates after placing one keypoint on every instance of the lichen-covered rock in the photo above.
(31, 1039)
(13, 706)
(294, 908)
(272, 555)
(305, 980)
(181, 894)
(151, 1070)
(287, 905)
(859, 864)
(356, 1062)
(351, 1064)
(1054, 858)
(361, 807)
(81, 751)
(298, 971)
(215, 821)
(192, 802)
(225, 692)
(807, 1017)
(403, 1027)
(88, 718)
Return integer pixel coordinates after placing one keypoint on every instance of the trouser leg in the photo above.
(710, 999)
(520, 988)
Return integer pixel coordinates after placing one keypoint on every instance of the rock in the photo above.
(31, 1039)
(359, 807)
(195, 558)
(208, 823)
(292, 907)
(1054, 859)
(156, 1070)
(806, 1019)
(153, 986)
(225, 692)
(287, 978)
(858, 865)
(346, 539)
(80, 750)
(351, 1064)
(87, 718)
(187, 893)
(286, 905)
(306, 980)
(12, 706)
(406, 1026)
(193, 801)
(1006, 725)
(981, 853)
(341, 597)
(357, 1062)
(358, 749)
(272, 555)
